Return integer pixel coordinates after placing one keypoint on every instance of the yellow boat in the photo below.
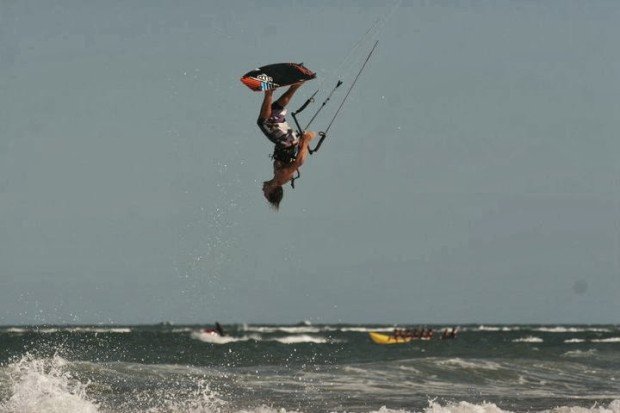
(388, 339)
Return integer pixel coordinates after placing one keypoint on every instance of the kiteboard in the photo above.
(276, 75)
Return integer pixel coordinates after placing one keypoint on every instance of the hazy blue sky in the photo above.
(472, 177)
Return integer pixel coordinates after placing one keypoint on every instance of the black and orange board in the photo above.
(276, 75)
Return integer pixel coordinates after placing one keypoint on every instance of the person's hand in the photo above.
(269, 92)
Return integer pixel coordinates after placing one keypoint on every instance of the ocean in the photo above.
(308, 368)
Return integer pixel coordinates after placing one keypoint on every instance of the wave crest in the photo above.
(46, 385)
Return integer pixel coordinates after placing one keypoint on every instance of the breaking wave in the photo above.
(301, 339)
(579, 353)
(528, 339)
(212, 338)
(465, 407)
(57, 385)
(561, 329)
(291, 339)
(45, 385)
(606, 340)
(462, 407)
(496, 328)
(470, 364)
(285, 329)
(52, 330)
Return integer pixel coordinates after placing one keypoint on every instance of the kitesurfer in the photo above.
(219, 329)
(290, 150)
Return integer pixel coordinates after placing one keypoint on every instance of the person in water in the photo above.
(290, 150)
(447, 334)
(217, 330)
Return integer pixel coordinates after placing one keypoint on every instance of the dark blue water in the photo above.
(307, 368)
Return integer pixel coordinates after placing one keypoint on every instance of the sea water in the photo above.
(308, 368)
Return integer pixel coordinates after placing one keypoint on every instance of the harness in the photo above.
(286, 155)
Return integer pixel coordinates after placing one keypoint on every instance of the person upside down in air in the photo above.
(290, 150)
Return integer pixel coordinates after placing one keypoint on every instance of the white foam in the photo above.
(285, 329)
(366, 329)
(52, 330)
(466, 407)
(300, 339)
(613, 407)
(562, 329)
(579, 353)
(45, 385)
(487, 328)
(182, 330)
(15, 330)
(266, 409)
(511, 328)
(384, 409)
(200, 400)
(45, 330)
(528, 339)
(115, 330)
(305, 329)
(574, 340)
(410, 369)
(606, 340)
(470, 364)
(463, 407)
(209, 337)
(496, 328)
(214, 338)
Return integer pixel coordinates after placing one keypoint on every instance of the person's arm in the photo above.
(265, 109)
(286, 96)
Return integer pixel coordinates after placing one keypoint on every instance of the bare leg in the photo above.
(286, 97)
(309, 135)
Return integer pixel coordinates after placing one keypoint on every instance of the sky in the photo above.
(471, 177)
